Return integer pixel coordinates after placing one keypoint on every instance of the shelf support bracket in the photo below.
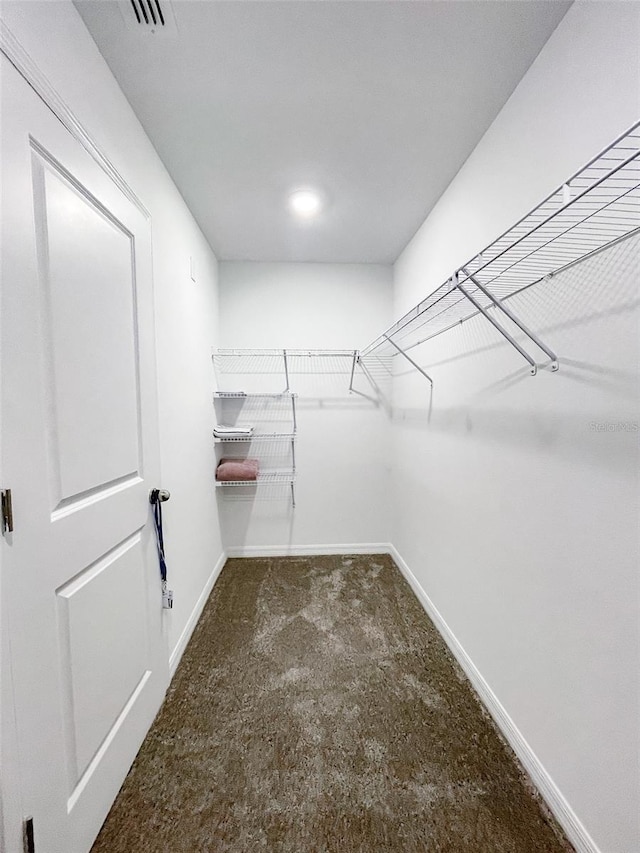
(409, 359)
(353, 368)
(496, 325)
(509, 313)
(379, 398)
(286, 370)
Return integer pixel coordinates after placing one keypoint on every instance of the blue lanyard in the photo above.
(154, 499)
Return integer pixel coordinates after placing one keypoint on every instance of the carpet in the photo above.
(316, 709)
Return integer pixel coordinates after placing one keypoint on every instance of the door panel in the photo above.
(86, 271)
(80, 588)
(104, 655)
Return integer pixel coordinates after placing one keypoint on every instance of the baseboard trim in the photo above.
(564, 814)
(308, 550)
(192, 621)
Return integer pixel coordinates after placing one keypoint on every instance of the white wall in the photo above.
(342, 448)
(518, 516)
(186, 312)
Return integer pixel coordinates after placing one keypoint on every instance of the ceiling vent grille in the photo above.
(148, 12)
(148, 16)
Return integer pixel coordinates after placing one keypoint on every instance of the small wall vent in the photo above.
(154, 17)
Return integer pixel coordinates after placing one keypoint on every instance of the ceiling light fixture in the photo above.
(305, 203)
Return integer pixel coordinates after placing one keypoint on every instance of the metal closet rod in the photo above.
(570, 203)
(455, 284)
(416, 312)
(495, 303)
(549, 275)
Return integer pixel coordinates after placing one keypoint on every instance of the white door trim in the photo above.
(26, 66)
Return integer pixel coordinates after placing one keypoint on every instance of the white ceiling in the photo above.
(376, 103)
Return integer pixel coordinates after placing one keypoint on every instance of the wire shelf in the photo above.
(272, 416)
(241, 395)
(267, 414)
(266, 436)
(597, 207)
(271, 361)
(264, 478)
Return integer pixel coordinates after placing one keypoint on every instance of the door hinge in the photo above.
(28, 842)
(7, 511)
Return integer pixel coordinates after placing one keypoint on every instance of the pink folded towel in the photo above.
(237, 469)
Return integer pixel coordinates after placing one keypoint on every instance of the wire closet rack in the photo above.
(285, 362)
(266, 478)
(259, 437)
(273, 422)
(595, 208)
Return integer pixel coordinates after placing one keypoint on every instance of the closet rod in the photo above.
(553, 236)
(547, 275)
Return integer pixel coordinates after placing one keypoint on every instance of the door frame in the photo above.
(40, 83)
(11, 811)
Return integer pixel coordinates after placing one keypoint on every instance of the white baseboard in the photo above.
(304, 550)
(566, 817)
(192, 621)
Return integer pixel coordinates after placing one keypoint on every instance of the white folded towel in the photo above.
(223, 431)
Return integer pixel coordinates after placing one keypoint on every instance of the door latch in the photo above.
(7, 511)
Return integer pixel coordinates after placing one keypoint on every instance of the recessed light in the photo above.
(305, 203)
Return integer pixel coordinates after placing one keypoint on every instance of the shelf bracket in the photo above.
(286, 370)
(353, 368)
(509, 313)
(379, 398)
(496, 325)
(409, 359)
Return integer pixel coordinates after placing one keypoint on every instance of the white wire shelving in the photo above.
(263, 478)
(249, 409)
(259, 436)
(254, 409)
(242, 395)
(597, 207)
(594, 209)
(285, 363)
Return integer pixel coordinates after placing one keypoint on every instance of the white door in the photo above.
(81, 588)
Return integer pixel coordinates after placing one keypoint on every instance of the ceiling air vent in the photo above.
(148, 16)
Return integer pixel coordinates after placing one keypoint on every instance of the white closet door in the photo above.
(81, 587)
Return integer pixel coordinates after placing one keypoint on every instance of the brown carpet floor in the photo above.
(317, 710)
